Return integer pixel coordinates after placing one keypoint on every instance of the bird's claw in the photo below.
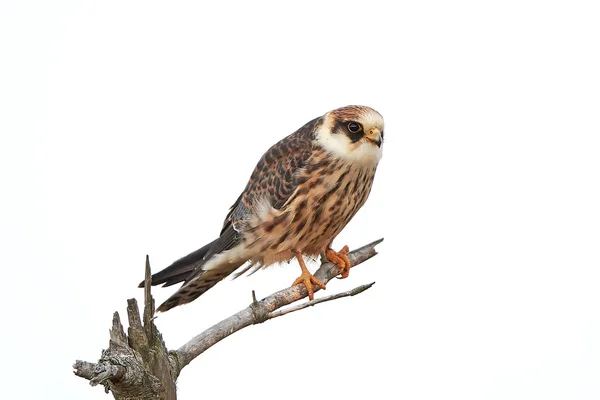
(340, 258)
(308, 280)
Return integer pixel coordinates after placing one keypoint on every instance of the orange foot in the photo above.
(306, 278)
(341, 259)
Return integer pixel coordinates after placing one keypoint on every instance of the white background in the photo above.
(129, 128)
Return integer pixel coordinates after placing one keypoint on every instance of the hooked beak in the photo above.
(374, 137)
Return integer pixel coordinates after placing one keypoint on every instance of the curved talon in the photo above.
(341, 259)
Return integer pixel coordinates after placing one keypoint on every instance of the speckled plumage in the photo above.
(301, 194)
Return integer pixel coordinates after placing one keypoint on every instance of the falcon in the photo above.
(301, 194)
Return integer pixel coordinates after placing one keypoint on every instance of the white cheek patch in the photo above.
(337, 144)
(365, 153)
(340, 145)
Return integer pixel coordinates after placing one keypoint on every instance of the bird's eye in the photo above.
(354, 127)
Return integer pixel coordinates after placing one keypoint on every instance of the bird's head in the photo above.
(353, 133)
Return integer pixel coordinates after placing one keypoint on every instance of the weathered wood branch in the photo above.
(259, 311)
(137, 365)
(302, 306)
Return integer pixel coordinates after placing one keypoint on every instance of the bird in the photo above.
(301, 194)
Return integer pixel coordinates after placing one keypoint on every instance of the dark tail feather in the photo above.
(181, 269)
(197, 286)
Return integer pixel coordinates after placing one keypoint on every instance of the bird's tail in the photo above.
(199, 271)
(208, 275)
(202, 269)
(181, 269)
(191, 291)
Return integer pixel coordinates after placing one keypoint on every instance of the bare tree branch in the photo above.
(98, 373)
(353, 292)
(258, 312)
(137, 365)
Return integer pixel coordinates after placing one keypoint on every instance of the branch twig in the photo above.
(137, 365)
(352, 292)
(260, 311)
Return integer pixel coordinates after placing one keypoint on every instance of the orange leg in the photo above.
(306, 277)
(341, 259)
